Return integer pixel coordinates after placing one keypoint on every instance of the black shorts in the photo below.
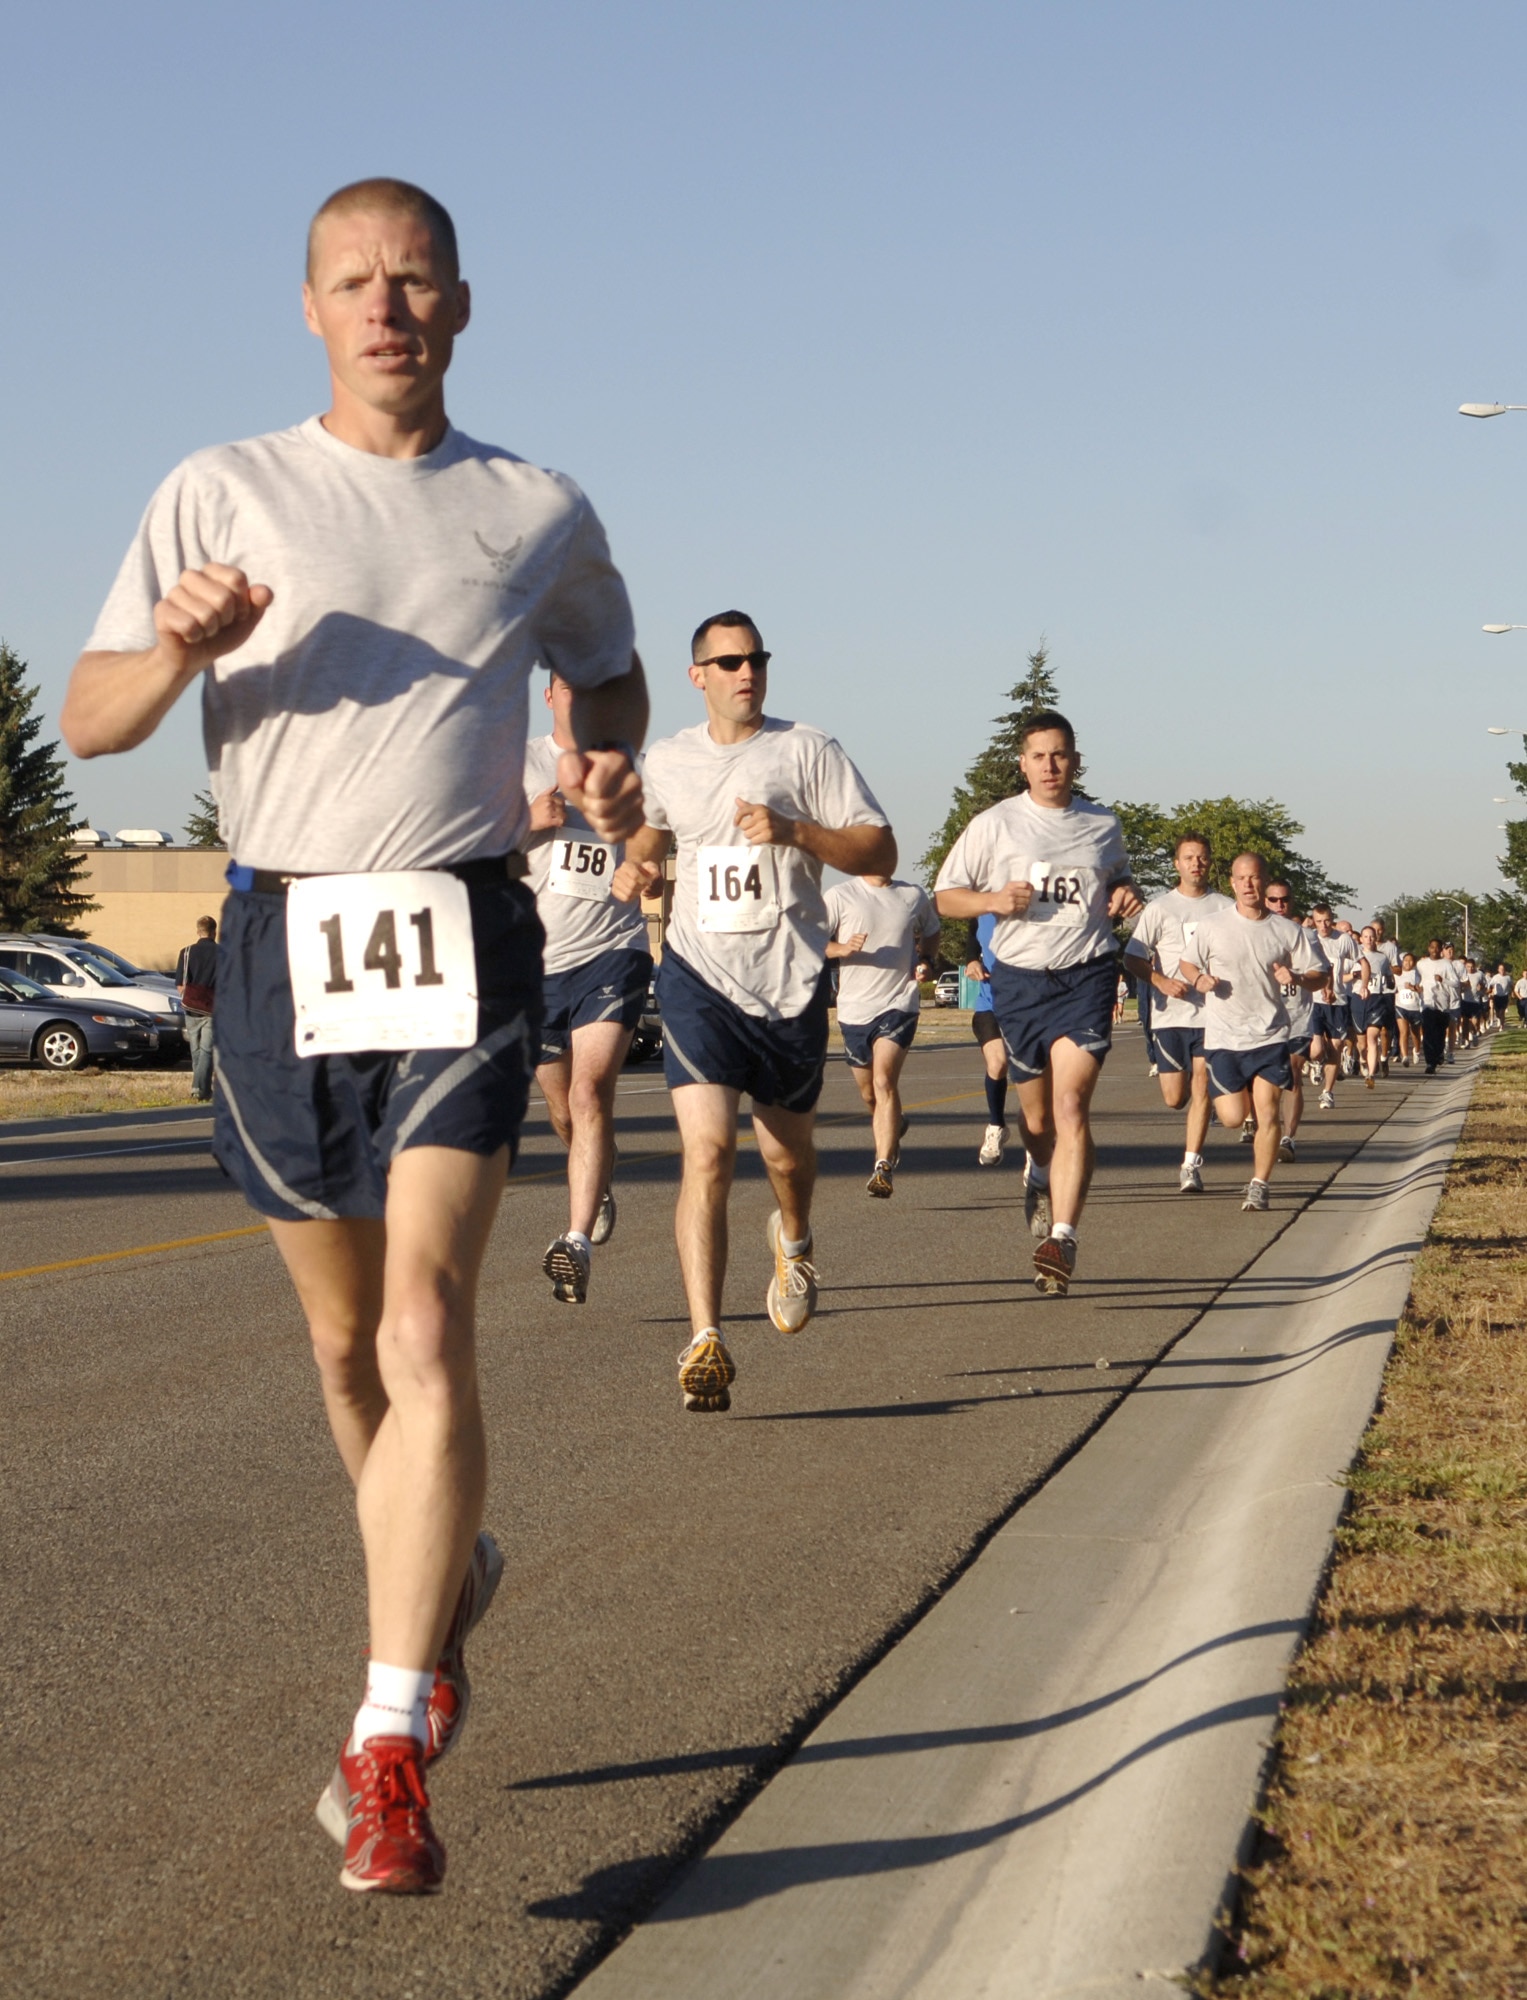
(1039, 1008)
(983, 1025)
(707, 1038)
(1177, 1048)
(896, 1025)
(1232, 1070)
(310, 1138)
(611, 986)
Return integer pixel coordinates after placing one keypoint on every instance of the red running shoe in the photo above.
(377, 1808)
(452, 1691)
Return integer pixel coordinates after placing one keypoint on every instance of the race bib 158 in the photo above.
(737, 888)
(581, 866)
(381, 962)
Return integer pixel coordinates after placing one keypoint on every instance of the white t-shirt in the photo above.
(1240, 953)
(898, 923)
(692, 783)
(571, 869)
(1164, 934)
(1500, 984)
(1520, 988)
(1339, 950)
(376, 716)
(1073, 855)
(1439, 984)
(1380, 973)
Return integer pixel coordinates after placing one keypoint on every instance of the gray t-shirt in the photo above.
(1164, 936)
(1074, 857)
(376, 716)
(1340, 953)
(898, 923)
(571, 869)
(752, 922)
(1249, 1009)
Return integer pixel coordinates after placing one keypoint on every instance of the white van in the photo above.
(70, 967)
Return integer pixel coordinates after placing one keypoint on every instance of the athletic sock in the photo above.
(1192, 1159)
(791, 1247)
(396, 1699)
(1034, 1174)
(1065, 1230)
(577, 1236)
(996, 1100)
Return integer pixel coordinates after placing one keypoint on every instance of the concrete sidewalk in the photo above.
(1043, 1789)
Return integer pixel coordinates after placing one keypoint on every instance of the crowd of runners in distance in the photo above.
(427, 909)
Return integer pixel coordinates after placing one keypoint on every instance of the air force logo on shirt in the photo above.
(503, 561)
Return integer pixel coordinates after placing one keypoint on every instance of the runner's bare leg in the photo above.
(789, 1154)
(583, 1112)
(336, 1268)
(706, 1114)
(1055, 1110)
(889, 1059)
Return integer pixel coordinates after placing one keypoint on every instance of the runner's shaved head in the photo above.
(384, 196)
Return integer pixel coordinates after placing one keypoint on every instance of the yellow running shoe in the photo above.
(792, 1294)
(706, 1372)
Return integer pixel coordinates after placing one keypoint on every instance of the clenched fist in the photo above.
(211, 611)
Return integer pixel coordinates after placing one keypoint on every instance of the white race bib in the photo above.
(381, 962)
(1061, 895)
(581, 866)
(737, 888)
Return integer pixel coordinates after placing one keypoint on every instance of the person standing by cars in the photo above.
(196, 982)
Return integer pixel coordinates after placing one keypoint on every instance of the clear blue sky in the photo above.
(918, 331)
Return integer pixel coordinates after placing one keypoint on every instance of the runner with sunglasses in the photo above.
(757, 807)
(1053, 870)
(1162, 939)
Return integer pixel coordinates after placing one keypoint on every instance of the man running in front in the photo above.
(1241, 961)
(1162, 939)
(882, 933)
(598, 969)
(757, 807)
(363, 598)
(1052, 869)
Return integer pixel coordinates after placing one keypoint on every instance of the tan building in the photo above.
(150, 898)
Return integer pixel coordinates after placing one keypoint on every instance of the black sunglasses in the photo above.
(730, 662)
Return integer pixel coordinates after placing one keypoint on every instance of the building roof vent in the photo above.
(142, 836)
(88, 836)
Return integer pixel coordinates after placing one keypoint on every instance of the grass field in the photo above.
(36, 1093)
(1393, 1853)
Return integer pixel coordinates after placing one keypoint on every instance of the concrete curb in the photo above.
(1043, 1789)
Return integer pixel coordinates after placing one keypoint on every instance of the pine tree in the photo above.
(201, 827)
(38, 866)
(995, 775)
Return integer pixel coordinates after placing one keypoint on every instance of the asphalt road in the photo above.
(183, 1609)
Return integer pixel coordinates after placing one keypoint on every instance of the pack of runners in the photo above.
(428, 908)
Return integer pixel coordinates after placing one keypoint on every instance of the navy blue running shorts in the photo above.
(1231, 1070)
(895, 1025)
(310, 1138)
(1176, 1047)
(1330, 1022)
(1038, 1008)
(1299, 1048)
(1367, 1013)
(611, 986)
(709, 1039)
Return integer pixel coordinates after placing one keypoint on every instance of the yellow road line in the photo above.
(523, 1180)
(140, 1250)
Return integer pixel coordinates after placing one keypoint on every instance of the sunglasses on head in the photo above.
(730, 662)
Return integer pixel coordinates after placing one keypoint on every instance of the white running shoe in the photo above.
(992, 1146)
(1189, 1180)
(604, 1219)
(1328, 1100)
(1256, 1196)
(1286, 1149)
(1036, 1207)
(792, 1295)
(1248, 1131)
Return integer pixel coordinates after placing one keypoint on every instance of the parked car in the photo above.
(647, 1042)
(137, 975)
(71, 969)
(946, 990)
(41, 1027)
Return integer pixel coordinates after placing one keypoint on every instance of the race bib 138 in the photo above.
(381, 962)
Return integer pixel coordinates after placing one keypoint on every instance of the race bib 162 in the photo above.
(381, 962)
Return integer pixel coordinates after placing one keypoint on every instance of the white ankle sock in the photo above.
(396, 1698)
(1065, 1230)
(1192, 1159)
(1035, 1175)
(791, 1247)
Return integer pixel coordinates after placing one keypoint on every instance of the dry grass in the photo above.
(1393, 1856)
(34, 1093)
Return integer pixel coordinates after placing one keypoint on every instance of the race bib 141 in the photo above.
(737, 889)
(381, 962)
